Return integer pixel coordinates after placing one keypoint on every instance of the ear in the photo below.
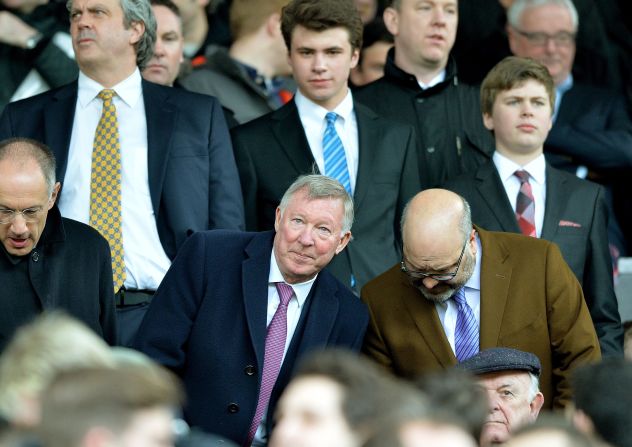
(137, 30)
(536, 405)
(54, 194)
(277, 219)
(355, 57)
(344, 240)
(513, 39)
(391, 20)
(273, 24)
(488, 121)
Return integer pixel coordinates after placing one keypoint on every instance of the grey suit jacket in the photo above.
(575, 219)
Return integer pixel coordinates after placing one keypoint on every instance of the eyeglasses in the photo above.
(29, 214)
(561, 39)
(416, 276)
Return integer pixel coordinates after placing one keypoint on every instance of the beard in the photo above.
(444, 290)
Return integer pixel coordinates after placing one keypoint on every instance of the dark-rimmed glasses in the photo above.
(561, 39)
(416, 276)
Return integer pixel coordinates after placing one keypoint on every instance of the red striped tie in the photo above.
(525, 205)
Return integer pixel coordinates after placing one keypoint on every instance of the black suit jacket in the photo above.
(272, 151)
(69, 269)
(193, 179)
(208, 323)
(575, 219)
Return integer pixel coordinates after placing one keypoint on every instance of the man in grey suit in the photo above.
(379, 163)
(518, 191)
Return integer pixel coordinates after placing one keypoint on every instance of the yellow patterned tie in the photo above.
(105, 185)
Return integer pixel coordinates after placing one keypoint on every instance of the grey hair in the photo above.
(23, 149)
(515, 11)
(138, 11)
(534, 386)
(321, 187)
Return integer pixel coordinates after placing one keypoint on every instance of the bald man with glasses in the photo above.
(460, 289)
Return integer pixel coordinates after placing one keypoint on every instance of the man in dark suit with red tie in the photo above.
(518, 191)
(222, 320)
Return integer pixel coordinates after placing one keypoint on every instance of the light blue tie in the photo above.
(334, 154)
(466, 331)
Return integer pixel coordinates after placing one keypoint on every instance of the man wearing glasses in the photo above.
(460, 289)
(47, 261)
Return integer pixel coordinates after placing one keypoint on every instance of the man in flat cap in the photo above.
(511, 379)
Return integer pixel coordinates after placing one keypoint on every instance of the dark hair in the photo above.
(374, 32)
(171, 6)
(602, 391)
(22, 149)
(321, 15)
(511, 72)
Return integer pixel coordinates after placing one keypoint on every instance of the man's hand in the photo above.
(13, 31)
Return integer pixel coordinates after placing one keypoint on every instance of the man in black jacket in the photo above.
(420, 87)
(47, 261)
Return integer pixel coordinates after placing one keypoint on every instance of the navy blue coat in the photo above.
(207, 322)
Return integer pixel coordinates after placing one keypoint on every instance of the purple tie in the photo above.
(275, 346)
(466, 331)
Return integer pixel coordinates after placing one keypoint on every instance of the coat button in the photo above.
(430, 149)
(233, 408)
(35, 256)
(420, 100)
(249, 370)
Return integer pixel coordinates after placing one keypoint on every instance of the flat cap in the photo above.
(501, 359)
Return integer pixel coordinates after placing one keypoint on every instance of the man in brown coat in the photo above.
(518, 293)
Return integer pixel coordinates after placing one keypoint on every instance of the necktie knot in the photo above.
(522, 175)
(459, 297)
(331, 118)
(285, 292)
(106, 94)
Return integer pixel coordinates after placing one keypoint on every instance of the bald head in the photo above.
(435, 221)
(22, 152)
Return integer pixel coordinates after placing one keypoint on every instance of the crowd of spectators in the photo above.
(301, 223)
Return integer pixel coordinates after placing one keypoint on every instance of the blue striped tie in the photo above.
(334, 154)
(466, 331)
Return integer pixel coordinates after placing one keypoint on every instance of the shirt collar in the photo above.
(475, 280)
(434, 81)
(129, 90)
(311, 111)
(506, 167)
(301, 290)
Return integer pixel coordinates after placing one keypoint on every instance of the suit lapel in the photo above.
(495, 280)
(289, 132)
(368, 138)
(161, 118)
(319, 321)
(492, 191)
(556, 197)
(255, 274)
(58, 121)
(424, 314)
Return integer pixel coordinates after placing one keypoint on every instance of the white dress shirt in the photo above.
(145, 260)
(314, 123)
(537, 179)
(448, 310)
(294, 308)
(434, 81)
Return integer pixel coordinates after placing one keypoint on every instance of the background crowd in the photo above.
(308, 223)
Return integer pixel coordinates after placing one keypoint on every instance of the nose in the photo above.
(318, 64)
(159, 48)
(438, 16)
(306, 237)
(429, 282)
(18, 225)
